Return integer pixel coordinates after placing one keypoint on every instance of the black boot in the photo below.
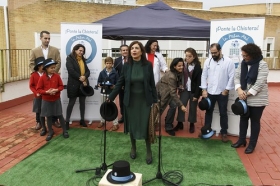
(170, 132)
(179, 126)
(149, 158)
(49, 124)
(133, 147)
(191, 130)
(250, 149)
(67, 125)
(44, 128)
(82, 123)
(239, 143)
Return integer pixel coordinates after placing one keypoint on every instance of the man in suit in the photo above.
(46, 51)
(118, 64)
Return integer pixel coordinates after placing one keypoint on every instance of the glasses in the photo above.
(245, 56)
(214, 53)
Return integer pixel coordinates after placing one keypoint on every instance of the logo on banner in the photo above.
(234, 36)
(87, 41)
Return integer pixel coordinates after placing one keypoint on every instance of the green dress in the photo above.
(137, 114)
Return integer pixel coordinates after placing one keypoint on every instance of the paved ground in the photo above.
(18, 139)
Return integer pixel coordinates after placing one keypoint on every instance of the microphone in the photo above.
(156, 56)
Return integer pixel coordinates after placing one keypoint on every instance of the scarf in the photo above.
(81, 65)
(151, 58)
(187, 74)
(249, 77)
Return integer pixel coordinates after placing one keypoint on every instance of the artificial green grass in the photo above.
(201, 161)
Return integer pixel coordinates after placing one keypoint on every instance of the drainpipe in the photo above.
(7, 33)
(6, 27)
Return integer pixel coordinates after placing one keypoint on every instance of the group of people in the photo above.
(136, 78)
(46, 85)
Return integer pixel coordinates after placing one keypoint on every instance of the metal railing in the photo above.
(14, 63)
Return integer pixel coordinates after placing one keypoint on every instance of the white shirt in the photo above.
(40, 74)
(218, 75)
(45, 52)
(188, 85)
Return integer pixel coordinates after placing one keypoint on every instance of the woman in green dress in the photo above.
(137, 77)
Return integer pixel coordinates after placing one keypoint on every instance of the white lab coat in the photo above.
(159, 66)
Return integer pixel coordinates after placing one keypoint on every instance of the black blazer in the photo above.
(118, 65)
(74, 73)
(125, 78)
(196, 81)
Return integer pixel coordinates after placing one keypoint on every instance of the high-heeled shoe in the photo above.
(250, 149)
(239, 143)
(149, 160)
(83, 123)
(191, 130)
(132, 154)
(65, 134)
(179, 126)
(170, 132)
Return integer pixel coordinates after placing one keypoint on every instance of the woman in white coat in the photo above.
(155, 57)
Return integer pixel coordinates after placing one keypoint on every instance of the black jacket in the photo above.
(74, 73)
(118, 65)
(196, 81)
(112, 78)
(125, 80)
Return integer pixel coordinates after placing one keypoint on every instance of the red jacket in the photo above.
(45, 83)
(33, 81)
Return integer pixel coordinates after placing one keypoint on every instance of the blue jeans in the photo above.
(222, 103)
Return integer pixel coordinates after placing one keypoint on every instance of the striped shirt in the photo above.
(259, 90)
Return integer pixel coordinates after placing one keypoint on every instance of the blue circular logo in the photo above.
(81, 40)
(235, 35)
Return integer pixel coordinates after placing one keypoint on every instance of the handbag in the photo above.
(153, 122)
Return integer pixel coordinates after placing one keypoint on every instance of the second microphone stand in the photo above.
(159, 174)
(103, 166)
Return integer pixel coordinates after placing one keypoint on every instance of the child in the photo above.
(107, 79)
(33, 81)
(49, 86)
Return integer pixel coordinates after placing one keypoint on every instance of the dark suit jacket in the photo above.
(52, 53)
(196, 81)
(125, 79)
(74, 73)
(118, 64)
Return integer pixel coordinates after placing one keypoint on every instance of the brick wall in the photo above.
(2, 29)
(41, 15)
(174, 3)
(249, 9)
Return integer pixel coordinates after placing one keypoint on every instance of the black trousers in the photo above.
(255, 114)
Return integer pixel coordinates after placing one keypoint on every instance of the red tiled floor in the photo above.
(19, 139)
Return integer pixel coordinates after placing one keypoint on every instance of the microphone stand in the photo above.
(103, 166)
(159, 174)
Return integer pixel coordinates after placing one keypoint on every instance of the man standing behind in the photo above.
(118, 64)
(217, 80)
(46, 51)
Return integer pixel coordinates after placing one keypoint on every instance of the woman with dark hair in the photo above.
(190, 90)
(78, 74)
(251, 85)
(139, 95)
(155, 57)
(167, 88)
